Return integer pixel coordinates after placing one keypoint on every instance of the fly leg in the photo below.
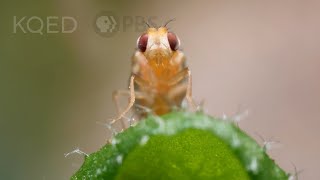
(185, 73)
(132, 99)
(177, 94)
(133, 95)
(189, 91)
(122, 93)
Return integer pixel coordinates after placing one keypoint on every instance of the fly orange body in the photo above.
(159, 78)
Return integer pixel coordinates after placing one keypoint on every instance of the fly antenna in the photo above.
(165, 24)
(145, 22)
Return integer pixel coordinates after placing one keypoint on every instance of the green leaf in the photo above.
(181, 145)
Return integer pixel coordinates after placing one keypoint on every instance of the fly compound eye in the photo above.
(142, 42)
(173, 41)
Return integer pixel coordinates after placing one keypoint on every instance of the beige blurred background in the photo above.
(263, 56)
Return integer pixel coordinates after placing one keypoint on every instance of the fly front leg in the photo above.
(189, 91)
(133, 95)
(185, 73)
(122, 93)
(132, 99)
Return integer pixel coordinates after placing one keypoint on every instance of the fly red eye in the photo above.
(142, 42)
(173, 41)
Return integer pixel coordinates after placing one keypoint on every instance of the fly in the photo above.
(160, 79)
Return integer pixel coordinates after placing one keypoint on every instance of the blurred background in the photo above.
(261, 56)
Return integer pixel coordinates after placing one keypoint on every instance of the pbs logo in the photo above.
(106, 24)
